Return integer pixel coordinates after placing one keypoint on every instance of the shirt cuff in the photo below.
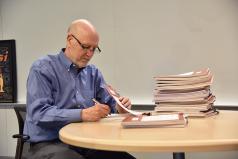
(74, 115)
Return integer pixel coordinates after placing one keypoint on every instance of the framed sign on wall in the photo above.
(8, 83)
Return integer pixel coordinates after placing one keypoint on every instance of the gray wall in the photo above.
(139, 39)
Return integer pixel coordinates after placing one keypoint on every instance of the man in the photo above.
(60, 89)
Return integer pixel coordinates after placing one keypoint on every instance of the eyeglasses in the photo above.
(87, 47)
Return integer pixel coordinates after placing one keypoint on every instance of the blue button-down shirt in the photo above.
(57, 91)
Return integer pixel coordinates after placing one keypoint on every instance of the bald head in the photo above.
(82, 27)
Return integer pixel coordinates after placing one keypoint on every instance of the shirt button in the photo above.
(68, 69)
(77, 92)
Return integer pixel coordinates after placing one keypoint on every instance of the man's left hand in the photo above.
(125, 102)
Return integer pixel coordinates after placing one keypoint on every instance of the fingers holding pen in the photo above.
(95, 112)
(103, 109)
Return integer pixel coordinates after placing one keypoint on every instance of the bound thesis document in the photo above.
(116, 96)
(163, 120)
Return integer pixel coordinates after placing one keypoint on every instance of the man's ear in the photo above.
(69, 40)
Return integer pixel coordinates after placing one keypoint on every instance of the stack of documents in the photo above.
(188, 93)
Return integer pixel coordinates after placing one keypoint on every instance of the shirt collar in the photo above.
(67, 62)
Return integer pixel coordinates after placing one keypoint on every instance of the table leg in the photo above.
(178, 155)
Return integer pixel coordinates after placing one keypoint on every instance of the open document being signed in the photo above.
(116, 96)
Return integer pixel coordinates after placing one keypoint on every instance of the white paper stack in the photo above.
(188, 93)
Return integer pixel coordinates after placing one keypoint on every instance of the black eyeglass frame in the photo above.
(86, 48)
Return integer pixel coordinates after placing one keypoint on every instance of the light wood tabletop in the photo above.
(214, 133)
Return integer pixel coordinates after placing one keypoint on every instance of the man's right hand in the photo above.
(95, 112)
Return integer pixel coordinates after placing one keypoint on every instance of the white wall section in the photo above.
(139, 39)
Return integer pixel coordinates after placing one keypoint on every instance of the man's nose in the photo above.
(90, 52)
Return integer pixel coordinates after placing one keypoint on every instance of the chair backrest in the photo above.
(21, 138)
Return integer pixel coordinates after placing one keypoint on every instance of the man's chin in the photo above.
(82, 64)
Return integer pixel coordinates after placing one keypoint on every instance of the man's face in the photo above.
(82, 48)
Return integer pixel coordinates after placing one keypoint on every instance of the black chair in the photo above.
(21, 138)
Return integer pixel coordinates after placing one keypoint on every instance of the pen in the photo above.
(95, 101)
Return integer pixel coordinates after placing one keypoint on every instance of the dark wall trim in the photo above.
(222, 107)
(11, 105)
